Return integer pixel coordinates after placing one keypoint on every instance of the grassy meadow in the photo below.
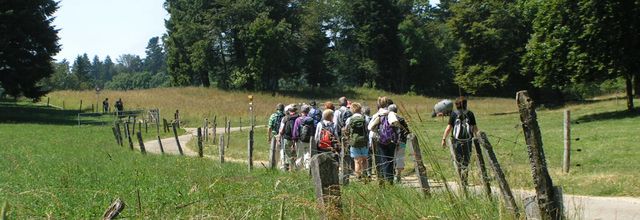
(54, 169)
(603, 132)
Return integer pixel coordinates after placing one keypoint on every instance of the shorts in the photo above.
(359, 152)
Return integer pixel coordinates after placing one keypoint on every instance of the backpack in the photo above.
(461, 127)
(386, 133)
(344, 115)
(316, 114)
(358, 132)
(326, 137)
(275, 125)
(307, 129)
(288, 126)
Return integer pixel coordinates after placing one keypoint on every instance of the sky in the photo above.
(109, 27)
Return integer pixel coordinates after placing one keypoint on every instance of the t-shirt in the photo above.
(273, 123)
(454, 116)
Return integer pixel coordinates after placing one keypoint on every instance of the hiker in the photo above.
(315, 113)
(402, 132)
(119, 107)
(385, 139)
(326, 135)
(303, 129)
(286, 139)
(329, 105)
(357, 136)
(463, 124)
(274, 122)
(367, 115)
(105, 105)
(341, 115)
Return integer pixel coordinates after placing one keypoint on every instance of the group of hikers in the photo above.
(349, 130)
(119, 106)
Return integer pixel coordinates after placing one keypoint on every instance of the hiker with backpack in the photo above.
(315, 112)
(357, 136)
(341, 115)
(286, 139)
(303, 129)
(326, 135)
(463, 124)
(402, 131)
(274, 122)
(385, 139)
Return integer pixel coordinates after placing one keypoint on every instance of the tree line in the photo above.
(558, 49)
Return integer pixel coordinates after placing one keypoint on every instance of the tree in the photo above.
(578, 41)
(108, 69)
(129, 63)
(154, 62)
(28, 40)
(96, 72)
(82, 71)
(492, 36)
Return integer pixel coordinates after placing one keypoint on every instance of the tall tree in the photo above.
(154, 62)
(96, 72)
(82, 71)
(492, 36)
(129, 63)
(108, 69)
(28, 40)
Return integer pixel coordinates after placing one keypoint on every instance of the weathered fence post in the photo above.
(63, 105)
(215, 128)
(507, 195)
(200, 150)
(228, 133)
(134, 125)
(48, 101)
(272, 153)
(221, 148)
(115, 134)
(165, 125)
(324, 171)
(80, 109)
(240, 123)
(146, 127)
(250, 149)
(566, 162)
(175, 134)
(421, 171)
(126, 127)
(143, 150)
(160, 143)
(119, 134)
(483, 169)
(345, 169)
(550, 207)
(206, 130)
(114, 210)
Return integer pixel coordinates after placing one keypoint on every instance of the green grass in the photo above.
(55, 169)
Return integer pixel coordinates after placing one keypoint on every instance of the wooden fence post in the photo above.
(240, 123)
(421, 171)
(272, 153)
(48, 101)
(126, 127)
(206, 130)
(324, 171)
(115, 134)
(165, 125)
(483, 169)
(175, 134)
(250, 149)
(143, 150)
(566, 162)
(119, 134)
(507, 195)
(215, 128)
(80, 109)
(228, 133)
(160, 143)
(63, 105)
(221, 148)
(114, 210)
(200, 150)
(550, 207)
(134, 125)
(345, 168)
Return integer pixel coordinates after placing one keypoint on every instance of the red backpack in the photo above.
(326, 137)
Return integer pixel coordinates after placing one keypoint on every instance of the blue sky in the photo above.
(109, 27)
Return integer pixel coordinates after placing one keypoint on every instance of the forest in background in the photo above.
(558, 49)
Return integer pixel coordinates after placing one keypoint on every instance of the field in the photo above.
(603, 133)
(54, 169)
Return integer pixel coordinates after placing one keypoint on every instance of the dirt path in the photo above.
(576, 207)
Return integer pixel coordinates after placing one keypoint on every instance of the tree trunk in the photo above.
(629, 89)
(636, 85)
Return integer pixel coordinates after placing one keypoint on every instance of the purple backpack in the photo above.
(386, 133)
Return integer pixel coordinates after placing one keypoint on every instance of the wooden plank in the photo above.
(175, 134)
(200, 150)
(483, 169)
(545, 194)
(221, 148)
(507, 195)
(128, 132)
(272, 153)
(143, 150)
(421, 170)
(114, 210)
(566, 162)
(326, 180)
